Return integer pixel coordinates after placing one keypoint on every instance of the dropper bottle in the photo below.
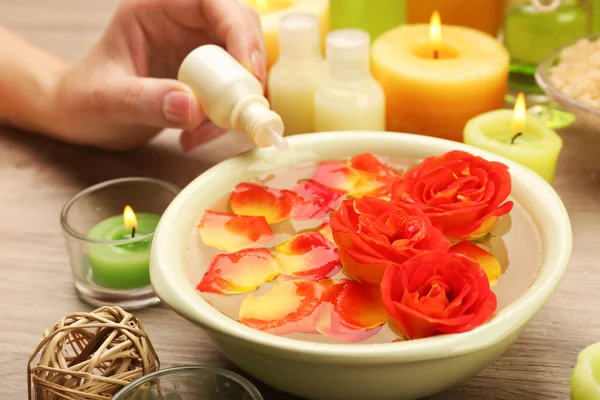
(294, 79)
(349, 98)
(230, 96)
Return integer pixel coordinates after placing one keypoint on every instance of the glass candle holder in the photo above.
(483, 15)
(374, 17)
(190, 383)
(109, 244)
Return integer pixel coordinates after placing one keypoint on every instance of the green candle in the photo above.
(517, 136)
(596, 16)
(530, 34)
(585, 378)
(375, 17)
(122, 266)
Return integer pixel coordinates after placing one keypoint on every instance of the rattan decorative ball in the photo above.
(90, 356)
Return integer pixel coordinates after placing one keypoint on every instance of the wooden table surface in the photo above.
(37, 176)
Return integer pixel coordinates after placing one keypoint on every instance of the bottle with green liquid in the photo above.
(531, 33)
(373, 16)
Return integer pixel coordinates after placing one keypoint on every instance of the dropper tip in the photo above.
(278, 141)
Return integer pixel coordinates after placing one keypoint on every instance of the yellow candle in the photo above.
(435, 79)
(517, 136)
(271, 12)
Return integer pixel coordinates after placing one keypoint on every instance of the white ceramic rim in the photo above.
(173, 287)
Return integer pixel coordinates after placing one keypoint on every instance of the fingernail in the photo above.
(177, 107)
(258, 65)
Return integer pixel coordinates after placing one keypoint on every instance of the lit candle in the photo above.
(437, 79)
(483, 15)
(124, 265)
(271, 12)
(585, 378)
(517, 136)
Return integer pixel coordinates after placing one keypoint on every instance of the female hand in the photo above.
(125, 90)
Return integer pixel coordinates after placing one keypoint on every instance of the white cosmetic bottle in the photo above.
(230, 96)
(349, 98)
(295, 77)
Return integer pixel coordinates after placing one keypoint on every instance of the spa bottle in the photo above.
(349, 98)
(230, 96)
(293, 80)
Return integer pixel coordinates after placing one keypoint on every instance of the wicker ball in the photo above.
(90, 356)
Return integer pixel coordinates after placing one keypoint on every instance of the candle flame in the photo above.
(519, 116)
(129, 218)
(262, 3)
(435, 28)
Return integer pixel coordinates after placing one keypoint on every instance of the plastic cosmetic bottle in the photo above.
(231, 96)
(294, 79)
(349, 98)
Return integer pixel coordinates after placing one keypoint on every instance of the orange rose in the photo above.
(462, 194)
(436, 293)
(372, 233)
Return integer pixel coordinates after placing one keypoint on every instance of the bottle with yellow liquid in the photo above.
(349, 98)
(294, 79)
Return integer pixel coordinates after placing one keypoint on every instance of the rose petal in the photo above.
(331, 324)
(230, 232)
(288, 307)
(359, 305)
(325, 230)
(319, 200)
(274, 204)
(488, 261)
(337, 175)
(308, 255)
(240, 272)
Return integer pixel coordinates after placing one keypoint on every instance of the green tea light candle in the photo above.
(517, 136)
(124, 265)
(585, 378)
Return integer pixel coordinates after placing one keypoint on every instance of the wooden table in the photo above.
(37, 176)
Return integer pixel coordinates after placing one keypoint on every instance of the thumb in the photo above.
(162, 103)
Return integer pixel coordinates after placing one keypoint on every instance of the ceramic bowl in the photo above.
(586, 115)
(401, 370)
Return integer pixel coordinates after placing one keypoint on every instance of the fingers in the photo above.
(163, 103)
(238, 27)
(206, 132)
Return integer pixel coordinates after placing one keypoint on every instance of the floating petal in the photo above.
(308, 255)
(230, 232)
(330, 324)
(319, 200)
(289, 307)
(325, 230)
(359, 305)
(488, 261)
(255, 200)
(337, 175)
(239, 272)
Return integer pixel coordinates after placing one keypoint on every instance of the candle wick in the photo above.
(435, 55)
(133, 232)
(512, 141)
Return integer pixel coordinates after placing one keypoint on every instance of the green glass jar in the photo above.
(373, 16)
(531, 32)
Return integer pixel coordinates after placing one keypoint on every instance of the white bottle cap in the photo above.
(299, 37)
(348, 55)
(265, 127)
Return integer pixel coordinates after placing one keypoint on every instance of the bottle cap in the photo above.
(262, 125)
(348, 55)
(299, 37)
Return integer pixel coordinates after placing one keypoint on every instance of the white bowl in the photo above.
(402, 370)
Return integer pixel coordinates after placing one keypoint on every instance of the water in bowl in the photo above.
(514, 240)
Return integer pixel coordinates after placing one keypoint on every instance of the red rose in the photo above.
(372, 233)
(462, 194)
(435, 293)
